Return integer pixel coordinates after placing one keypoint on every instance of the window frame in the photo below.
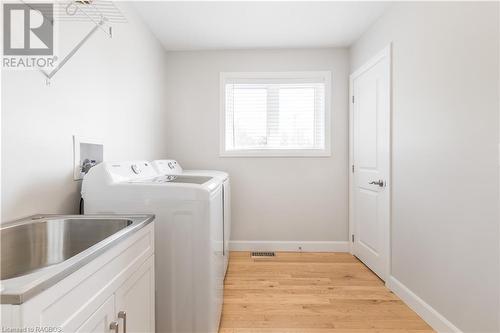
(326, 76)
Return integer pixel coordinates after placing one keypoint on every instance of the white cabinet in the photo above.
(130, 309)
(100, 321)
(135, 301)
(118, 287)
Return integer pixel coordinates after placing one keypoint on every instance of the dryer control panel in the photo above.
(167, 167)
(130, 170)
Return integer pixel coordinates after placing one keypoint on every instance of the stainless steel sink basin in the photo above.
(53, 246)
(31, 246)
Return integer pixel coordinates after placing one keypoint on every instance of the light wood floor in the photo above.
(310, 293)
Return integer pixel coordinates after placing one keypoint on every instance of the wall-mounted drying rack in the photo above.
(102, 13)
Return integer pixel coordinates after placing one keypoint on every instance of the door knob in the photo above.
(379, 182)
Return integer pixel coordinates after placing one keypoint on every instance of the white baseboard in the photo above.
(306, 246)
(424, 310)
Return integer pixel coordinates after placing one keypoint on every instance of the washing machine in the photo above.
(171, 168)
(189, 241)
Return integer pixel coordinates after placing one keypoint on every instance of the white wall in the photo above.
(111, 89)
(445, 154)
(285, 199)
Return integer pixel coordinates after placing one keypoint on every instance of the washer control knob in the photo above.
(136, 169)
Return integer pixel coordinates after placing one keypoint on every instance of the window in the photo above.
(275, 114)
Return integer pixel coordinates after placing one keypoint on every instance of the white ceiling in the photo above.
(243, 25)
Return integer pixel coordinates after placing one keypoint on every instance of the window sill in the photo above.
(276, 153)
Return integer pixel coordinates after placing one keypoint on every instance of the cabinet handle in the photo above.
(123, 315)
(114, 326)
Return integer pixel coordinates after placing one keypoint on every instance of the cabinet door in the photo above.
(100, 320)
(136, 298)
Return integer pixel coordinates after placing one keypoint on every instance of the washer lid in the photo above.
(189, 179)
(198, 180)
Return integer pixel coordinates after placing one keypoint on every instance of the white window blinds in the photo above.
(275, 113)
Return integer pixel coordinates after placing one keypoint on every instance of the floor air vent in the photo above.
(262, 254)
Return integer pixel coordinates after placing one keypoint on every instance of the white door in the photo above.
(100, 321)
(370, 157)
(135, 301)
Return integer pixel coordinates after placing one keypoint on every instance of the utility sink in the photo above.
(31, 246)
(41, 242)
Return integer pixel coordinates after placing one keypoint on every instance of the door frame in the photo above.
(385, 52)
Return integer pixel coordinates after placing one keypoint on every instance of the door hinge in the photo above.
(352, 99)
(352, 168)
(352, 238)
